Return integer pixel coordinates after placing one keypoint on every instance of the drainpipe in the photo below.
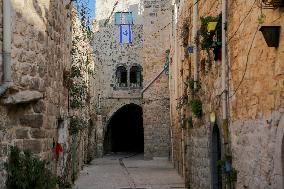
(7, 79)
(194, 42)
(224, 61)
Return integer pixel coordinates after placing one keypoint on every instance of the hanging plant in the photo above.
(230, 173)
(190, 122)
(196, 107)
(184, 34)
(190, 84)
(211, 35)
(77, 124)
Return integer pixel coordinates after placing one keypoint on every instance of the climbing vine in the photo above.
(77, 125)
(77, 81)
(195, 102)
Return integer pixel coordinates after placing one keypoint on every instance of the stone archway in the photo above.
(124, 130)
(216, 155)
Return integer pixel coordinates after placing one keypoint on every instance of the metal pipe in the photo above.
(224, 60)
(194, 41)
(7, 32)
(153, 80)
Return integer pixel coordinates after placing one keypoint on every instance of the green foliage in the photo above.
(196, 107)
(26, 171)
(190, 122)
(230, 176)
(78, 93)
(190, 84)
(184, 34)
(77, 124)
(261, 18)
(187, 185)
(80, 68)
(207, 40)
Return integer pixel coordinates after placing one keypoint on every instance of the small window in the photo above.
(135, 76)
(123, 18)
(121, 76)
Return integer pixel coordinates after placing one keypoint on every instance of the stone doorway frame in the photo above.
(213, 126)
(110, 116)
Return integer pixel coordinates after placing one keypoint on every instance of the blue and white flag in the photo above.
(125, 34)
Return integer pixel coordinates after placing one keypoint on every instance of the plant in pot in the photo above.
(211, 35)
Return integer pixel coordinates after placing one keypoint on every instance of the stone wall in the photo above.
(32, 107)
(144, 52)
(256, 115)
(257, 106)
(109, 55)
(157, 19)
(34, 111)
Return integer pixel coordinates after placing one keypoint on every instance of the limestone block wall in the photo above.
(41, 44)
(110, 54)
(192, 137)
(256, 101)
(257, 106)
(157, 19)
(150, 53)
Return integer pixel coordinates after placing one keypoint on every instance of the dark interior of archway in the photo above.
(216, 156)
(125, 131)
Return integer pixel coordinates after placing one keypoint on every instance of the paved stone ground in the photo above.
(129, 171)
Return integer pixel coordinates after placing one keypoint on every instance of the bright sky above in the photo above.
(92, 4)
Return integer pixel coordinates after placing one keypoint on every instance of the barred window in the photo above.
(136, 76)
(121, 76)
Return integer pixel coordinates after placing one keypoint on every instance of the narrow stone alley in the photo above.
(127, 171)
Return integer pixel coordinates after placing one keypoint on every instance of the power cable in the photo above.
(246, 66)
(233, 35)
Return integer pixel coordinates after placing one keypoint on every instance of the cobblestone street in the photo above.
(129, 171)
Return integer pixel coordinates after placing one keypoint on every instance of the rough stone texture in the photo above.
(256, 109)
(23, 97)
(157, 16)
(39, 57)
(110, 54)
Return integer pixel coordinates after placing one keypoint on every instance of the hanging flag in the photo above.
(125, 34)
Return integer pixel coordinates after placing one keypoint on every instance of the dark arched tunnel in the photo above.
(125, 131)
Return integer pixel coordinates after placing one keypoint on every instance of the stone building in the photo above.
(253, 141)
(130, 87)
(36, 42)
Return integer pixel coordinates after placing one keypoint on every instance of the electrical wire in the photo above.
(234, 34)
(246, 66)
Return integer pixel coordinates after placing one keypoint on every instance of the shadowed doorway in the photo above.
(125, 130)
(216, 156)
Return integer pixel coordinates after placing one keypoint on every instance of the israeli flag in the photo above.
(125, 34)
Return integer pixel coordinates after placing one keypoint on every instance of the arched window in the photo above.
(121, 76)
(135, 76)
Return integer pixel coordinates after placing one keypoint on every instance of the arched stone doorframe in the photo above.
(217, 124)
(278, 172)
(115, 109)
(110, 115)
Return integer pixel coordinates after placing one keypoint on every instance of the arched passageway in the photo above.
(216, 156)
(125, 131)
